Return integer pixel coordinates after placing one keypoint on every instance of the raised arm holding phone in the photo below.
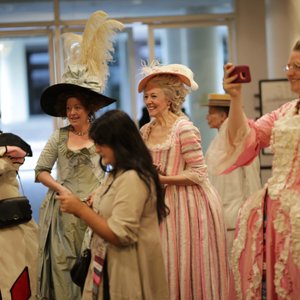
(265, 257)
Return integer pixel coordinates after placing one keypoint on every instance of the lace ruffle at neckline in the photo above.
(169, 139)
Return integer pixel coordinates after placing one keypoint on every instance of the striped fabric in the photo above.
(98, 263)
(193, 235)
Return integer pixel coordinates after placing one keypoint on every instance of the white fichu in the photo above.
(92, 51)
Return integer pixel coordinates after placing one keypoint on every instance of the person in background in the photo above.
(144, 118)
(127, 208)
(193, 234)
(77, 98)
(18, 231)
(265, 253)
(245, 180)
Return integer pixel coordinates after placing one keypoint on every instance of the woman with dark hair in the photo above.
(127, 209)
(265, 256)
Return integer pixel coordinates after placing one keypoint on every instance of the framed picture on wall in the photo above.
(273, 93)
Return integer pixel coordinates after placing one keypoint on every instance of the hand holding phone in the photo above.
(243, 74)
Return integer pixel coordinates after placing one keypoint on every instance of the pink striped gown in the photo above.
(193, 235)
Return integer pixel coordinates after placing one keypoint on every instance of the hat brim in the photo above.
(218, 103)
(50, 96)
(144, 81)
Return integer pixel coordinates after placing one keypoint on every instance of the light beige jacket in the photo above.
(135, 269)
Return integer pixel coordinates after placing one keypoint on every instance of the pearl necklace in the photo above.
(79, 133)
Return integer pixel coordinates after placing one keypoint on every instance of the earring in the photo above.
(91, 117)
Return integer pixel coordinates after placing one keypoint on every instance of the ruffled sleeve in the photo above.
(224, 155)
(191, 150)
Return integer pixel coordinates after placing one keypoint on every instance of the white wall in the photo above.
(265, 33)
(251, 48)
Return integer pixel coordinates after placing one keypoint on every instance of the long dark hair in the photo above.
(116, 130)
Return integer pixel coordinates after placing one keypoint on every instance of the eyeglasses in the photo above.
(288, 67)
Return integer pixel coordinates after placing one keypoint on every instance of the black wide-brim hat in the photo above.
(50, 96)
(10, 139)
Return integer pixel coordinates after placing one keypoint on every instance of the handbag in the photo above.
(80, 268)
(14, 211)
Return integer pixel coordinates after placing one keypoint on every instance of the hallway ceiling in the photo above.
(118, 8)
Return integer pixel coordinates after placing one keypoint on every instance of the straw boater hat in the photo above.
(185, 74)
(86, 68)
(218, 100)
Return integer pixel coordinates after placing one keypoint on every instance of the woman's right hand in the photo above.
(159, 169)
(70, 203)
(233, 89)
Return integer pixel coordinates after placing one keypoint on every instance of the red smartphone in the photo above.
(243, 73)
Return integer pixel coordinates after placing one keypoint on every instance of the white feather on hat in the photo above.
(91, 52)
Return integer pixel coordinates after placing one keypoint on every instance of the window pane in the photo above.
(26, 11)
(137, 8)
(24, 73)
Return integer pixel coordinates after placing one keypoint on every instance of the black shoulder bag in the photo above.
(80, 269)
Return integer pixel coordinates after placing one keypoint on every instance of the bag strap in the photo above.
(21, 185)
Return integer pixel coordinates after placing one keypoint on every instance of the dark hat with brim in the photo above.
(10, 139)
(50, 96)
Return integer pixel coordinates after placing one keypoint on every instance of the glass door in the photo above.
(24, 73)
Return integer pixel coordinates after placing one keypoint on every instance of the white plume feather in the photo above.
(95, 47)
(97, 53)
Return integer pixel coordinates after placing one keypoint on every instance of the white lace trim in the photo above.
(169, 139)
(285, 144)
(239, 244)
(287, 223)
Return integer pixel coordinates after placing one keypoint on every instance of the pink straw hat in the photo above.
(185, 74)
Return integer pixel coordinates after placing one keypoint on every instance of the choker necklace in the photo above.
(79, 133)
